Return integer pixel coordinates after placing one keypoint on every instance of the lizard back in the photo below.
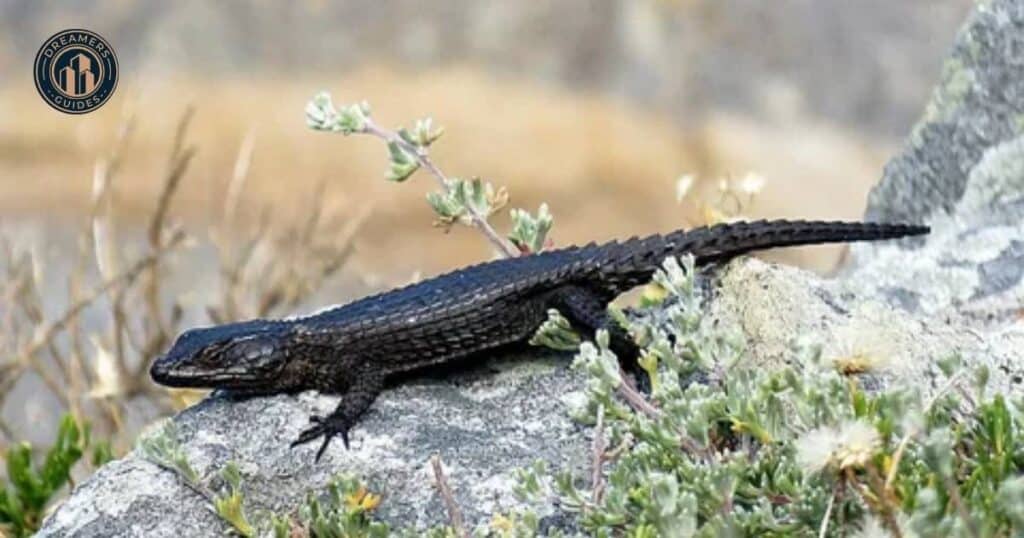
(502, 301)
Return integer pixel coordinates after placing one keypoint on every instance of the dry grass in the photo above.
(605, 168)
(100, 373)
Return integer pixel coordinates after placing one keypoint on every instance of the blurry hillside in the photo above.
(594, 107)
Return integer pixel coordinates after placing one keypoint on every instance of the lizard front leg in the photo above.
(355, 401)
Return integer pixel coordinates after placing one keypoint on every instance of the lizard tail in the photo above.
(636, 260)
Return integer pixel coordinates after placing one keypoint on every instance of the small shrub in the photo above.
(31, 486)
(798, 451)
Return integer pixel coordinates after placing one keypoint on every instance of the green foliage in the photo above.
(462, 198)
(229, 507)
(31, 487)
(798, 451)
(102, 453)
(423, 133)
(529, 233)
(556, 333)
(344, 512)
(162, 448)
(468, 202)
(403, 163)
(321, 115)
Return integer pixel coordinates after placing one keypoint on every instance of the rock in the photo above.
(975, 109)
(485, 424)
(962, 172)
(776, 305)
(957, 291)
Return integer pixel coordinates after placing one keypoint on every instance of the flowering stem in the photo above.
(422, 156)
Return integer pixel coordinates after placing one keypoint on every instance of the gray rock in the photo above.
(776, 305)
(484, 424)
(962, 171)
(976, 108)
(958, 291)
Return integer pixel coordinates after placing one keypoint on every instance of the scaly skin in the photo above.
(355, 349)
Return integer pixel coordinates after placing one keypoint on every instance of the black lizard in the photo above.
(354, 349)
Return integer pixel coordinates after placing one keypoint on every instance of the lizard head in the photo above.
(246, 355)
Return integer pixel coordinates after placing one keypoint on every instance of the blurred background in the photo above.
(597, 108)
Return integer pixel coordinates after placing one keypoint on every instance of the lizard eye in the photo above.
(211, 356)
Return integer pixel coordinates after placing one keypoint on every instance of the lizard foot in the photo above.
(327, 427)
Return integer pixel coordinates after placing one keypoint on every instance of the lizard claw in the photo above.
(327, 427)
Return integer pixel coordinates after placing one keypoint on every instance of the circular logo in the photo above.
(76, 71)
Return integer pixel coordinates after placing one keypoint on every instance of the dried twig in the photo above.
(125, 278)
(274, 269)
(454, 514)
(239, 176)
(178, 162)
(45, 335)
(879, 499)
(635, 400)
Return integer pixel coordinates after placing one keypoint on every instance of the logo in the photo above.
(76, 71)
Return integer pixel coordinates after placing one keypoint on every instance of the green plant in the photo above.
(802, 450)
(162, 449)
(229, 507)
(344, 512)
(466, 201)
(723, 447)
(32, 486)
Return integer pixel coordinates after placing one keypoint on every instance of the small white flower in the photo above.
(683, 186)
(858, 441)
(852, 444)
(751, 184)
(859, 348)
(814, 450)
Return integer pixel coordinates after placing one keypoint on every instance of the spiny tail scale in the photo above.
(633, 262)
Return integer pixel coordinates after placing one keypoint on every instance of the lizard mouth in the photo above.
(171, 373)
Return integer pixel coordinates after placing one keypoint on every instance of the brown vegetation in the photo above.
(605, 168)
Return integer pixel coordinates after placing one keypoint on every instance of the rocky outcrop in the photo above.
(958, 291)
(485, 424)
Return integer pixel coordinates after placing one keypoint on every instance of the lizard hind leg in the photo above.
(587, 310)
(355, 401)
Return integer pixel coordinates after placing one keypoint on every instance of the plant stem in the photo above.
(454, 514)
(633, 397)
(598, 456)
(823, 530)
(422, 156)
